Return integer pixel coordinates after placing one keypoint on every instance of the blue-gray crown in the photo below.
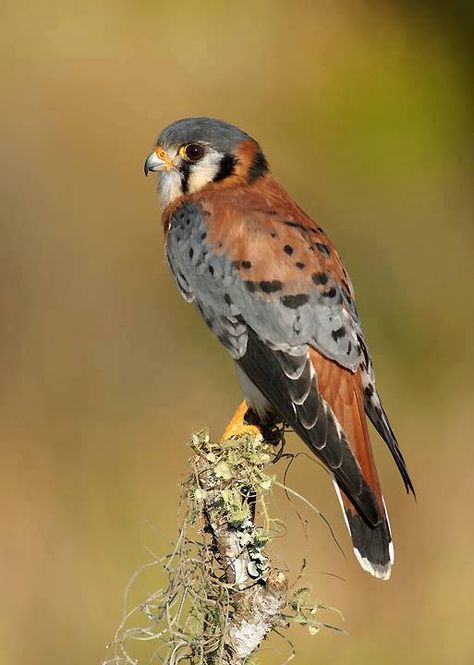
(223, 136)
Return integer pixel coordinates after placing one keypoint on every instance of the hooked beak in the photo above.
(157, 161)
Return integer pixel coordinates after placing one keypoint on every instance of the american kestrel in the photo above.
(271, 286)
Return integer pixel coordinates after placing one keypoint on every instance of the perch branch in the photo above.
(257, 592)
(222, 596)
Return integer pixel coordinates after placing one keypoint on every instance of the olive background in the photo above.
(364, 111)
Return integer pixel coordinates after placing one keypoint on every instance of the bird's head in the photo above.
(191, 153)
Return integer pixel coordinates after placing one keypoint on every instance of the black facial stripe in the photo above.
(226, 167)
(258, 167)
(185, 170)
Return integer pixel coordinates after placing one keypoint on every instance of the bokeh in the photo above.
(365, 113)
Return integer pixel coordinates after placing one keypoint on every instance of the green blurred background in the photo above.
(365, 113)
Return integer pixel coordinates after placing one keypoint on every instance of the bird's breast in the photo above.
(192, 256)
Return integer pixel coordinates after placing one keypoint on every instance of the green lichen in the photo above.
(186, 620)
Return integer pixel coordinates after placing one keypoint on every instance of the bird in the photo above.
(272, 288)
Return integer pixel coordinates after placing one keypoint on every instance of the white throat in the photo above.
(169, 187)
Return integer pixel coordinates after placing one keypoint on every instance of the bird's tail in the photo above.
(373, 546)
(372, 543)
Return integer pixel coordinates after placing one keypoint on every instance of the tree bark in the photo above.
(256, 598)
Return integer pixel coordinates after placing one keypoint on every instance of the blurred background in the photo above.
(365, 113)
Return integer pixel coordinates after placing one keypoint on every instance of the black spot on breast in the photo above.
(191, 252)
(226, 167)
(203, 235)
(288, 249)
(273, 234)
(211, 270)
(270, 287)
(250, 286)
(337, 334)
(293, 302)
(227, 299)
(349, 349)
(246, 265)
(319, 278)
(258, 166)
(330, 293)
(324, 249)
(299, 265)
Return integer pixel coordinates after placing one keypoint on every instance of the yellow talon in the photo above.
(237, 426)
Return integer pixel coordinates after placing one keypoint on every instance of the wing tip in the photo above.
(382, 424)
(410, 489)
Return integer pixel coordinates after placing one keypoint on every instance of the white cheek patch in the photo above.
(204, 171)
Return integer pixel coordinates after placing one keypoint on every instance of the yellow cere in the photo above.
(163, 155)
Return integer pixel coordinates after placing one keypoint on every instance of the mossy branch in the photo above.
(228, 488)
(222, 595)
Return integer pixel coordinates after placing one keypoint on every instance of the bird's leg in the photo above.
(238, 424)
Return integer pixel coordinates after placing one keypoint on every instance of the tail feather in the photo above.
(343, 390)
(373, 547)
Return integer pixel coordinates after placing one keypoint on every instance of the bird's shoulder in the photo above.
(269, 237)
(276, 265)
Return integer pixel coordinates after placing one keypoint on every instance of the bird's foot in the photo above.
(239, 425)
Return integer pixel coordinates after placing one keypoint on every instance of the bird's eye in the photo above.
(193, 152)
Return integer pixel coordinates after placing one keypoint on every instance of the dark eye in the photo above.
(194, 152)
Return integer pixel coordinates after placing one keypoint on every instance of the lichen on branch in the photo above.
(222, 596)
(230, 480)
